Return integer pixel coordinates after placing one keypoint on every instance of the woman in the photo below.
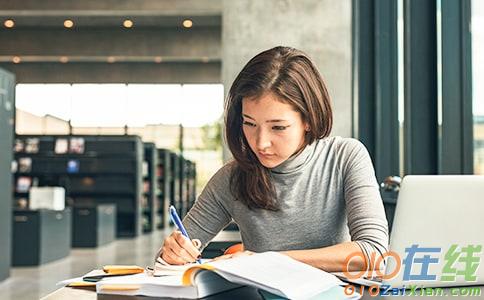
(290, 187)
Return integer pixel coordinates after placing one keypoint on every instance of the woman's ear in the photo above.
(307, 127)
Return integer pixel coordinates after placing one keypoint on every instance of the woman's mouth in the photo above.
(266, 155)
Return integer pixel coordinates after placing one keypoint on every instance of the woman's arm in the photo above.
(206, 218)
(330, 259)
(333, 258)
(210, 213)
(367, 223)
(365, 213)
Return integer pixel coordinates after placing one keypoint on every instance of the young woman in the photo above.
(290, 187)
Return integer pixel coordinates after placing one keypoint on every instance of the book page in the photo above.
(164, 269)
(276, 272)
(145, 285)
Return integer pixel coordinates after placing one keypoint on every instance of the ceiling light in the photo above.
(16, 59)
(128, 23)
(9, 23)
(187, 23)
(68, 23)
(63, 59)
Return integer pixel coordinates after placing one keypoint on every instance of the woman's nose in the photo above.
(263, 140)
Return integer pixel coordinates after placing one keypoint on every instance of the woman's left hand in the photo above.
(234, 255)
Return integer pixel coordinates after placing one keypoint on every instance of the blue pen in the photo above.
(178, 223)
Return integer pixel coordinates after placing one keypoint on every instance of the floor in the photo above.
(36, 282)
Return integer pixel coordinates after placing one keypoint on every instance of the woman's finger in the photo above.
(186, 244)
(197, 243)
(177, 250)
(171, 257)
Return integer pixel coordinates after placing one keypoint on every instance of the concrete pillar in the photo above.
(321, 28)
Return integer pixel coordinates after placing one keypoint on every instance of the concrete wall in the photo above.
(116, 73)
(157, 49)
(167, 7)
(7, 104)
(90, 42)
(321, 28)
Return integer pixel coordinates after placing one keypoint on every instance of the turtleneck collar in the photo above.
(295, 162)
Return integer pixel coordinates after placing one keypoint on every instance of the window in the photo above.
(477, 86)
(152, 111)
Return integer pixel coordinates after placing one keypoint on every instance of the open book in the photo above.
(273, 272)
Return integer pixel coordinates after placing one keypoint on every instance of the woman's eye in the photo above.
(279, 127)
(248, 124)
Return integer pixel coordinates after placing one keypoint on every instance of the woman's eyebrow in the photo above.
(276, 120)
(268, 121)
(249, 117)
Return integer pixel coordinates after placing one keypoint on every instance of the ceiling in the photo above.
(39, 44)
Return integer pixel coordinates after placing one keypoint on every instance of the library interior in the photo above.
(117, 119)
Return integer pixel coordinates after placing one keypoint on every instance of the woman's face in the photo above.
(274, 130)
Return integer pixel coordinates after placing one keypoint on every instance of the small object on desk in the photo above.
(80, 281)
(177, 221)
(111, 271)
(94, 276)
(122, 269)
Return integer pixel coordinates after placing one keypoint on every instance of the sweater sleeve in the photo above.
(367, 222)
(210, 213)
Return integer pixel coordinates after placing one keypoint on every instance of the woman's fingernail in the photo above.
(199, 256)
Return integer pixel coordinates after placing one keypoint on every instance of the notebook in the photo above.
(94, 276)
(108, 271)
(273, 272)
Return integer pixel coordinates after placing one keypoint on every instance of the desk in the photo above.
(242, 293)
(239, 293)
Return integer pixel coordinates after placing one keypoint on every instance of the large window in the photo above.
(477, 83)
(119, 105)
(152, 111)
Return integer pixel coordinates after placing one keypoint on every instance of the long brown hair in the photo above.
(289, 74)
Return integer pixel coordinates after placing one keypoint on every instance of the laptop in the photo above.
(437, 227)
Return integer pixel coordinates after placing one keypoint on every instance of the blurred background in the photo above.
(120, 105)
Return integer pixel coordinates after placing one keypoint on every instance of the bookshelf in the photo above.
(175, 185)
(93, 170)
(191, 183)
(149, 203)
(187, 184)
(164, 175)
(176, 182)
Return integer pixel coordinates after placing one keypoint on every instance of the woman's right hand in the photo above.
(179, 250)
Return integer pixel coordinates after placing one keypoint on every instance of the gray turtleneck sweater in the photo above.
(328, 194)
